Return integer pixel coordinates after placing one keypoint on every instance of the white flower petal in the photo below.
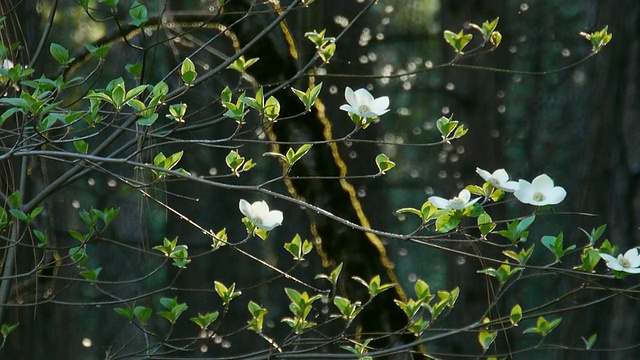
(363, 97)
(380, 106)
(472, 202)
(271, 220)
(348, 108)
(615, 265)
(542, 182)
(464, 195)
(245, 208)
(632, 270)
(608, 258)
(350, 96)
(555, 195)
(484, 174)
(633, 256)
(524, 192)
(260, 208)
(509, 186)
(501, 175)
(440, 203)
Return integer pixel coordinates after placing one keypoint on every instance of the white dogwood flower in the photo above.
(629, 262)
(258, 213)
(540, 191)
(462, 201)
(7, 64)
(362, 103)
(499, 179)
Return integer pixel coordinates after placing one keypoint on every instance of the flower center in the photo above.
(624, 262)
(363, 109)
(493, 181)
(457, 203)
(538, 196)
(258, 220)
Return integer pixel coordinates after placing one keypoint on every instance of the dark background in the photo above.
(580, 125)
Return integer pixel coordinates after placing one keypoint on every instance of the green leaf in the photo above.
(489, 27)
(110, 3)
(298, 248)
(522, 257)
(234, 161)
(188, 71)
(142, 313)
(100, 52)
(175, 309)
(78, 255)
(384, 164)
(517, 231)
(588, 343)
(81, 146)
(138, 14)
(447, 222)
(257, 312)
(409, 210)
(6, 329)
(204, 321)
(326, 52)
(15, 200)
(226, 293)
(598, 39)
(308, 98)
(503, 273)
(241, 65)
(90, 274)
(555, 244)
(486, 338)
(590, 258)
(293, 156)
(458, 41)
(60, 54)
(272, 109)
(485, 224)
(333, 276)
(42, 237)
(134, 69)
(595, 234)
(18, 214)
(449, 129)
(543, 327)
(125, 312)
(516, 315)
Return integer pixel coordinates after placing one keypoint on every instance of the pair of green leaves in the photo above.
(178, 253)
(298, 248)
(325, 46)
(308, 97)
(300, 307)
(291, 156)
(449, 129)
(460, 40)
(237, 163)
(167, 163)
(116, 94)
(270, 108)
(598, 39)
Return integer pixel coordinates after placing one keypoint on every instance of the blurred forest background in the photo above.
(529, 109)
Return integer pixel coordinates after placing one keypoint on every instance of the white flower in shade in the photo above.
(258, 213)
(540, 191)
(7, 64)
(629, 262)
(463, 200)
(362, 103)
(499, 179)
